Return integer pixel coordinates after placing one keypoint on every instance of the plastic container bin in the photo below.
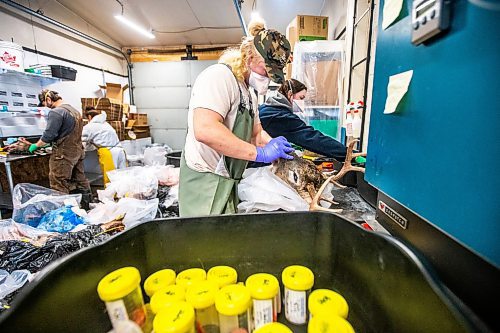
(390, 288)
(174, 158)
(178, 318)
(190, 276)
(164, 297)
(329, 324)
(273, 328)
(63, 72)
(162, 278)
(121, 291)
(265, 291)
(327, 302)
(234, 304)
(201, 295)
(222, 275)
(297, 281)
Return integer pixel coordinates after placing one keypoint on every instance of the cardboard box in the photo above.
(307, 28)
(118, 127)
(140, 118)
(112, 107)
(126, 108)
(114, 90)
(321, 78)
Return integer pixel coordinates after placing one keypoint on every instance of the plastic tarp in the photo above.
(319, 65)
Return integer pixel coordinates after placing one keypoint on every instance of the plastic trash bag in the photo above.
(13, 281)
(155, 155)
(23, 255)
(11, 230)
(134, 182)
(134, 211)
(31, 202)
(167, 174)
(168, 198)
(63, 219)
(261, 190)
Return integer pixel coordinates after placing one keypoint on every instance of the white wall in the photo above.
(162, 90)
(35, 33)
(336, 10)
(86, 84)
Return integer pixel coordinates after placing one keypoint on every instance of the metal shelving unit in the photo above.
(20, 77)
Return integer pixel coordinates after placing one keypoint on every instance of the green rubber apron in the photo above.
(206, 193)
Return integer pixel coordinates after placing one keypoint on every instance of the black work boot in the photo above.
(86, 197)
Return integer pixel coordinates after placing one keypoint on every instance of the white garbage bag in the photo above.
(261, 190)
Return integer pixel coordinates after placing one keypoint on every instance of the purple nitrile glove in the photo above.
(276, 148)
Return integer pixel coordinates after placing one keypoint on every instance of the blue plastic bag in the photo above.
(31, 202)
(60, 220)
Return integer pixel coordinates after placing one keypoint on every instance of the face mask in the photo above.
(259, 82)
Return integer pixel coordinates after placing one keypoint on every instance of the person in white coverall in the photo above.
(98, 134)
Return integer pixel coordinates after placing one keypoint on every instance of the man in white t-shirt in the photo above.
(224, 130)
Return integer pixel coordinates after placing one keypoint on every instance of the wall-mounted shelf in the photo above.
(19, 77)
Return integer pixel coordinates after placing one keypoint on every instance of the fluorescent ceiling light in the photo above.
(134, 26)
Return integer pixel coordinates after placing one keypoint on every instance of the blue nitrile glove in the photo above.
(33, 147)
(276, 148)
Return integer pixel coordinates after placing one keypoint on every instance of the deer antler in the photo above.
(347, 164)
(314, 206)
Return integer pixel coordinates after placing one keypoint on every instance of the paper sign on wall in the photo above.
(396, 89)
(392, 8)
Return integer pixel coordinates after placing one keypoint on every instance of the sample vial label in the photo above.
(262, 312)
(117, 311)
(295, 306)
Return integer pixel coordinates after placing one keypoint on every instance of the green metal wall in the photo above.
(439, 154)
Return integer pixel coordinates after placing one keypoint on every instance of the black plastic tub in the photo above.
(174, 158)
(389, 288)
(63, 72)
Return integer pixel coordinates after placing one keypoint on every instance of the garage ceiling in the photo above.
(173, 22)
(181, 22)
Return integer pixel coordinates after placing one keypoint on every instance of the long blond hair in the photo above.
(237, 58)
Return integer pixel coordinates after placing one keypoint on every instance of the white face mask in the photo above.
(259, 82)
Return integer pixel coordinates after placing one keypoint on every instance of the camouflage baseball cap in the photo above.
(275, 49)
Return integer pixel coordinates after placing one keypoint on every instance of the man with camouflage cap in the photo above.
(224, 130)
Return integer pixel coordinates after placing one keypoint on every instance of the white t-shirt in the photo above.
(214, 89)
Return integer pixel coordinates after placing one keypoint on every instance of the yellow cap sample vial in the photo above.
(201, 295)
(189, 276)
(158, 280)
(177, 318)
(264, 290)
(164, 297)
(329, 324)
(121, 292)
(233, 303)
(273, 328)
(298, 281)
(327, 302)
(222, 275)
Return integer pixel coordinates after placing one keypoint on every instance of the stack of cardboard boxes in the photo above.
(305, 28)
(319, 75)
(117, 112)
(138, 123)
